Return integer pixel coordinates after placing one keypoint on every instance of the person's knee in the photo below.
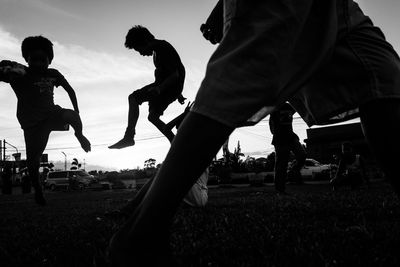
(70, 115)
(153, 117)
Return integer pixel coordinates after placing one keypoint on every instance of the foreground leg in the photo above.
(133, 115)
(71, 117)
(146, 229)
(35, 142)
(381, 125)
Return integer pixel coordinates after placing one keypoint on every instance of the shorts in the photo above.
(36, 136)
(50, 118)
(157, 103)
(325, 57)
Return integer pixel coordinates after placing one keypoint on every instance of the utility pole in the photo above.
(4, 150)
(65, 161)
(5, 142)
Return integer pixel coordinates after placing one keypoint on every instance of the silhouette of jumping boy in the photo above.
(167, 87)
(36, 111)
(325, 57)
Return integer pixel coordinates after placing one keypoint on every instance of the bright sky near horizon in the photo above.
(88, 37)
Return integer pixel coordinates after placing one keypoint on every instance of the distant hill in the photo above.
(59, 165)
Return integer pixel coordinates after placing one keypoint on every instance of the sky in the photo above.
(88, 37)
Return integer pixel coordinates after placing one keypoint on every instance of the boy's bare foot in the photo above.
(85, 144)
(124, 142)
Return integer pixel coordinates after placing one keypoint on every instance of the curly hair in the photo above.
(137, 35)
(32, 43)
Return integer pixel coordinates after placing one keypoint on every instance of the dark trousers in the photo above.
(282, 153)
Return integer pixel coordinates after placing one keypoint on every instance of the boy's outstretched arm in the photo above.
(10, 70)
(73, 118)
(71, 93)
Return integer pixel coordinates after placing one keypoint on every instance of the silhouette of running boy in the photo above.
(167, 87)
(36, 111)
(285, 141)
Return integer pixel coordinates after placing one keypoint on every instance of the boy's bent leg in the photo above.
(154, 118)
(198, 140)
(381, 125)
(135, 99)
(72, 117)
(35, 141)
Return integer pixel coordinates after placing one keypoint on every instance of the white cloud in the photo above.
(9, 46)
(81, 65)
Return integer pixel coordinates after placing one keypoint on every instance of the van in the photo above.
(64, 178)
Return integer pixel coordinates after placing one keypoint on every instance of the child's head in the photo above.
(140, 39)
(37, 52)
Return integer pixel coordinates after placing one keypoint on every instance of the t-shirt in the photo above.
(166, 60)
(35, 94)
(280, 123)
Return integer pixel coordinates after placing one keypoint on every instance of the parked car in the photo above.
(315, 170)
(65, 178)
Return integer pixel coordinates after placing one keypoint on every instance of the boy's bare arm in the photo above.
(71, 93)
(10, 70)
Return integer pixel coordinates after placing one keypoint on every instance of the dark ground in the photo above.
(241, 226)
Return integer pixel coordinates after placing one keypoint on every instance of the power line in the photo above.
(97, 145)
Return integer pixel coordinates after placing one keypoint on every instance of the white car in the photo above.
(315, 170)
(63, 178)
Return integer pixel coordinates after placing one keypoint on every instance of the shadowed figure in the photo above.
(351, 169)
(36, 111)
(325, 57)
(285, 141)
(167, 87)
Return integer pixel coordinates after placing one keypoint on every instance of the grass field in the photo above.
(241, 226)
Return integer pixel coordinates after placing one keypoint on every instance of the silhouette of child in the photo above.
(167, 87)
(325, 57)
(351, 169)
(36, 111)
(284, 141)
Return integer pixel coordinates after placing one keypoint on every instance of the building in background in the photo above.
(325, 142)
